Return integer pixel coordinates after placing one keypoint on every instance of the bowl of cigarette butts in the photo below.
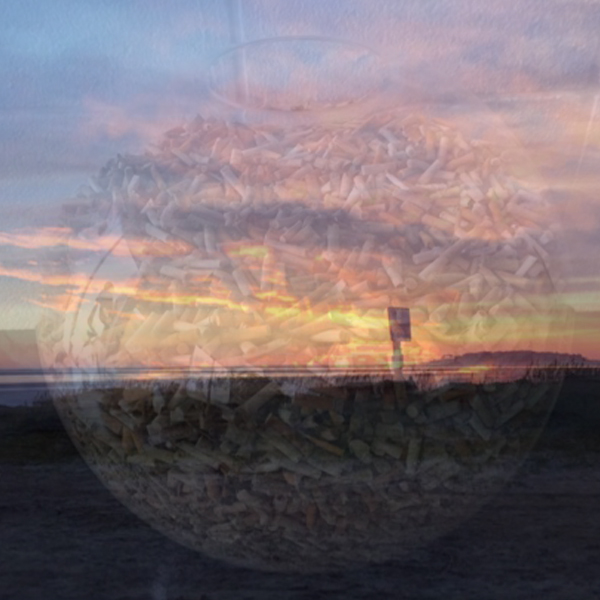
(308, 344)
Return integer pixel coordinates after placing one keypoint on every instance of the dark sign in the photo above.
(399, 319)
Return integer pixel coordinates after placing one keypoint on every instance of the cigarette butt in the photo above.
(311, 516)
(430, 172)
(381, 447)
(417, 165)
(433, 221)
(191, 336)
(442, 260)
(183, 157)
(210, 240)
(200, 358)
(213, 487)
(287, 248)
(523, 212)
(460, 161)
(461, 143)
(230, 177)
(477, 424)
(413, 455)
(173, 272)
(290, 232)
(361, 450)
(333, 239)
(196, 184)
(529, 196)
(167, 214)
(247, 347)
(143, 333)
(157, 233)
(525, 266)
(354, 197)
(163, 324)
(443, 148)
(325, 445)
(476, 285)
(148, 207)
(366, 252)
(500, 263)
(414, 409)
(546, 237)
(281, 444)
(466, 307)
(346, 185)
(207, 265)
(393, 269)
(299, 468)
(320, 292)
(377, 168)
(411, 284)
(268, 348)
(291, 478)
(477, 196)
(514, 280)
(360, 288)
(509, 414)
(201, 455)
(113, 424)
(341, 524)
(332, 336)
(426, 256)
(438, 412)
(417, 200)
(440, 314)
(184, 326)
(533, 244)
(207, 216)
(430, 141)
(315, 402)
(242, 281)
(388, 135)
(133, 185)
(360, 182)
(249, 334)
(253, 404)
(497, 213)
(268, 275)
(447, 193)
(450, 217)
(395, 181)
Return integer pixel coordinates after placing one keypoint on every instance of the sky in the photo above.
(85, 81)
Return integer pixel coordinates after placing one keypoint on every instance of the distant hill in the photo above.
(519, 358)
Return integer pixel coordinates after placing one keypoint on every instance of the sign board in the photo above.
(399, 319)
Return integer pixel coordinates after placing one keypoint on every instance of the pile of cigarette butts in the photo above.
(263, 245)
(291, 474)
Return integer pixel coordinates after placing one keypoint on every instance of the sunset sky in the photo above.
(84, 81)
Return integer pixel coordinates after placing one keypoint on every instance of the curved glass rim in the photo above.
(282, 39)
